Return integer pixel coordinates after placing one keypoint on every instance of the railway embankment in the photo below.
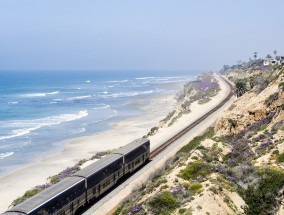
(136, 186)
(235, 167)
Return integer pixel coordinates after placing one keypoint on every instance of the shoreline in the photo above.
(70, 151)
(110, 202)
(120, 133)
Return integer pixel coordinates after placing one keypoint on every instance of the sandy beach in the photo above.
(16, 183)
(109, 202)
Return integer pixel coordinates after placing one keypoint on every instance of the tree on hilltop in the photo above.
(275, 52)
(255, 55)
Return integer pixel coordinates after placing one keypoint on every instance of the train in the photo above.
(74, 192)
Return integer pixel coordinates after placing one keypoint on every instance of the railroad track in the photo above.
(163, 146)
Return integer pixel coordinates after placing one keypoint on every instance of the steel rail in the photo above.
(163, 146)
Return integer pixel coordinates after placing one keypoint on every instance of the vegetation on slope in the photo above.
(240, 172)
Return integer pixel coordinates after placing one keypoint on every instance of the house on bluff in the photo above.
(278, 60)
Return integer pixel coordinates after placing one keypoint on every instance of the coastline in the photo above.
(16, 182)
(121, 133)
(110, 202)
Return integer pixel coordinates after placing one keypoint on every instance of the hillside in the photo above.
(235, 167)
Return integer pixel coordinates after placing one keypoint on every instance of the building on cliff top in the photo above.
(278, 60)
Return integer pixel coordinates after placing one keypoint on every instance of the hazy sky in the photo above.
(136, 34)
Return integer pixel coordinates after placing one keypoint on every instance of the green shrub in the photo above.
(275, 152)
(203, 101)
(263, 127)
(163, 187)
(194, 158)
(168, 116)
(266, 130)
(273, 97)
(281, 85)
(200, 147)
(280, 158)
(182, 210)
(262, 198)
(196, 170)
(164, 202)
(197, 140)
(195, 187)
(27, 195)
(232, 122)
(118, 210)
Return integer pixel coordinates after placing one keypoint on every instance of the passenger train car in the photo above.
(74, 192)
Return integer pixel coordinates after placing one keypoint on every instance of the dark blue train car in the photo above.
(102, 175)
(65, 197)
(134, 154)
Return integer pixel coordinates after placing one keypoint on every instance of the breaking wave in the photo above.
(120, 81)
(5, 154)
(40, 94)
(23, 127)
(104, 106)
(126, 94)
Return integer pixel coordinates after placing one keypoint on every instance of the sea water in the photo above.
(39, 110)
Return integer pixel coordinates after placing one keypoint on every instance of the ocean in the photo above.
(39, 110)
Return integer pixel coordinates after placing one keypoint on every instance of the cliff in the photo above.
(237, 167)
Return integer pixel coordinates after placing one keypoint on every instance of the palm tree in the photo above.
(275, 52)
(255, 55)
(268, 56)
(240, 88)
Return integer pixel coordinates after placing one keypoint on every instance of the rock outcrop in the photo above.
(252, 107)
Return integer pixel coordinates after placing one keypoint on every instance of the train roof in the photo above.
(97, 166)
(131, 146)
(36, 201)
(13, 213)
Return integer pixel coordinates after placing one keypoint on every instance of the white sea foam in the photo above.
(24, 127)
(163, 79)
(5, 146)
(144, 78)
(79, 97)
(13, 103)
(5, 154)
(120, 81)
(104, 106)
(40, 94)
(80, 130)
(126, 94)
(101, 120)
(88, 81)
(53, 93)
